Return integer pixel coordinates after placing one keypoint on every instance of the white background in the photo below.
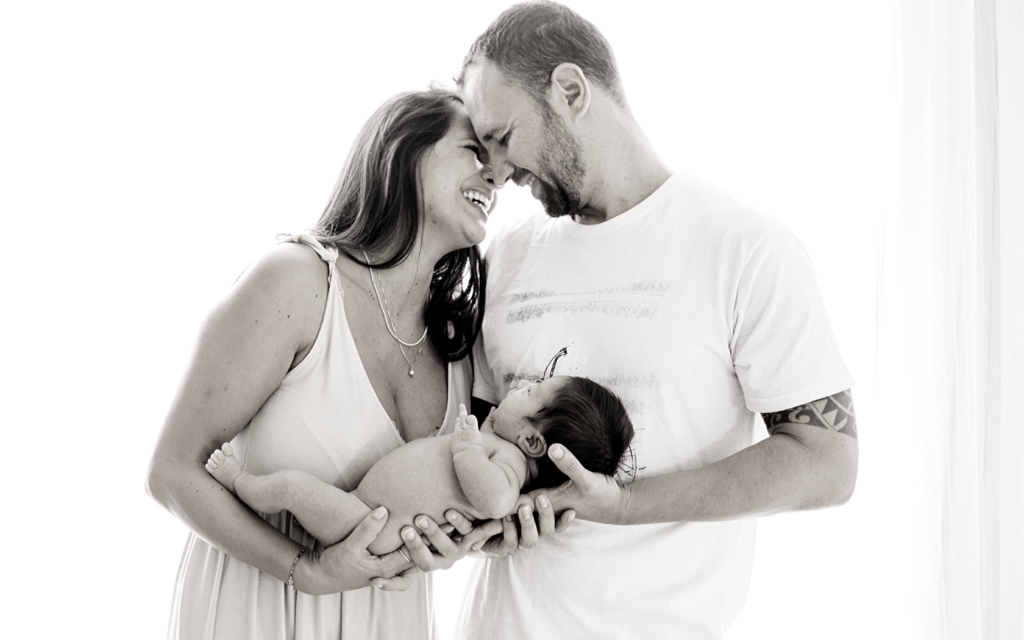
(150, 151)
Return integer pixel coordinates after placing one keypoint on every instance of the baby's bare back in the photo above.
(417, 478)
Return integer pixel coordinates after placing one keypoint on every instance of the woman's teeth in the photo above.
(477, 198)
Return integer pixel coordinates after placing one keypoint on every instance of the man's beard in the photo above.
(561, 162)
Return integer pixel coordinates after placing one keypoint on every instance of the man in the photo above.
(695, 310)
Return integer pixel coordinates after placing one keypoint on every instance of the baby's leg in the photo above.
(325, 511)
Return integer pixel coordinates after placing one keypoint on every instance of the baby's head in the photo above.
(578, 413)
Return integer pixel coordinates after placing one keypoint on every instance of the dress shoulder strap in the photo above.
(327, 254)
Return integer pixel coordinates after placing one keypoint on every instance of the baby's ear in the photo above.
(532, 442)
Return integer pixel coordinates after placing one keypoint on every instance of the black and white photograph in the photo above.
(462, 320)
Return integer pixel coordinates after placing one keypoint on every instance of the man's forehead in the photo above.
(488, 97)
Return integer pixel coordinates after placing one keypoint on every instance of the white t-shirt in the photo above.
(697, 312)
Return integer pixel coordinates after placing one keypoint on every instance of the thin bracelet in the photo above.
(291, 572)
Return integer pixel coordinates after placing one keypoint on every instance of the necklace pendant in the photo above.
(411, 373)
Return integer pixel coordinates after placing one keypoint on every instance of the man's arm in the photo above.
(809, 461)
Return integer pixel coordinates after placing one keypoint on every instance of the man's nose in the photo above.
(501, 168)
(502, 173)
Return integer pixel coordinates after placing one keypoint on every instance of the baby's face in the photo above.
(524, 401)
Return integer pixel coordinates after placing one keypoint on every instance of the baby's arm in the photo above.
(325, 511)
(491, 483)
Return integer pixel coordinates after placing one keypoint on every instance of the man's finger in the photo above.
(528, 534)
(476, 538)
(545, 516)
(564, 519)
(461, 523)
(569, 465)
(439, 539)
(510, 538)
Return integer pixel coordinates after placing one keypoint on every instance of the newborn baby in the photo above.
(477, 471)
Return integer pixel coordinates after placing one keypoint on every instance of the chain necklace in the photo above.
(414, 358)
(389, 323)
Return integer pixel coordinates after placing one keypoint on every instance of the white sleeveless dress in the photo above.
(324, 419)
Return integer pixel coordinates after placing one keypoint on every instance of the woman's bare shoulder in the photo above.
(288, 282)
(287, 271)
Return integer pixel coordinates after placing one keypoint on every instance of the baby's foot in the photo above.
(224, 466)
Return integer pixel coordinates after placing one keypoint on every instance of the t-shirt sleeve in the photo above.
(783, 348)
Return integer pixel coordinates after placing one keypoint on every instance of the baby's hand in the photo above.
(467, 432)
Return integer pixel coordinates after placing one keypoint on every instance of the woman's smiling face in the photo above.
(456, 188)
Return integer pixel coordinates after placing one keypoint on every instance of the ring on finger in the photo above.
(405, 555)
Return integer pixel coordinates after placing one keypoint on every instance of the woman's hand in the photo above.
(349, 564)
(434, 547)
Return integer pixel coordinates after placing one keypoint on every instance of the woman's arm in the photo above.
(250, 340)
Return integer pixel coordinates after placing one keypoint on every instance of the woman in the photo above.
(330, 351)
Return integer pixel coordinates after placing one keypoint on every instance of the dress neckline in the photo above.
(335, 282)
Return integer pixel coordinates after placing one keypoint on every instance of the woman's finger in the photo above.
(417, 549)
(401, 582)
(421, 553)
(367, 530)
(396, 562)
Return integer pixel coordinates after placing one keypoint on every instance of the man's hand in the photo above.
(535, 518)
(593, 496)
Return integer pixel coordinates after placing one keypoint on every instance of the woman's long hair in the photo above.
(375, 208)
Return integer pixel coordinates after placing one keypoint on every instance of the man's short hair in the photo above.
(590, 421)
(528, 40)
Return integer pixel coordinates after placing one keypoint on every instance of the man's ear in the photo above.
(532, 442)
(570, 90)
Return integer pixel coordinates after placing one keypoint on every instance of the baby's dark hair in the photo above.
(590, 421)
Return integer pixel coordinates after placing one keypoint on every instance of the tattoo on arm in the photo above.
(834, 412)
